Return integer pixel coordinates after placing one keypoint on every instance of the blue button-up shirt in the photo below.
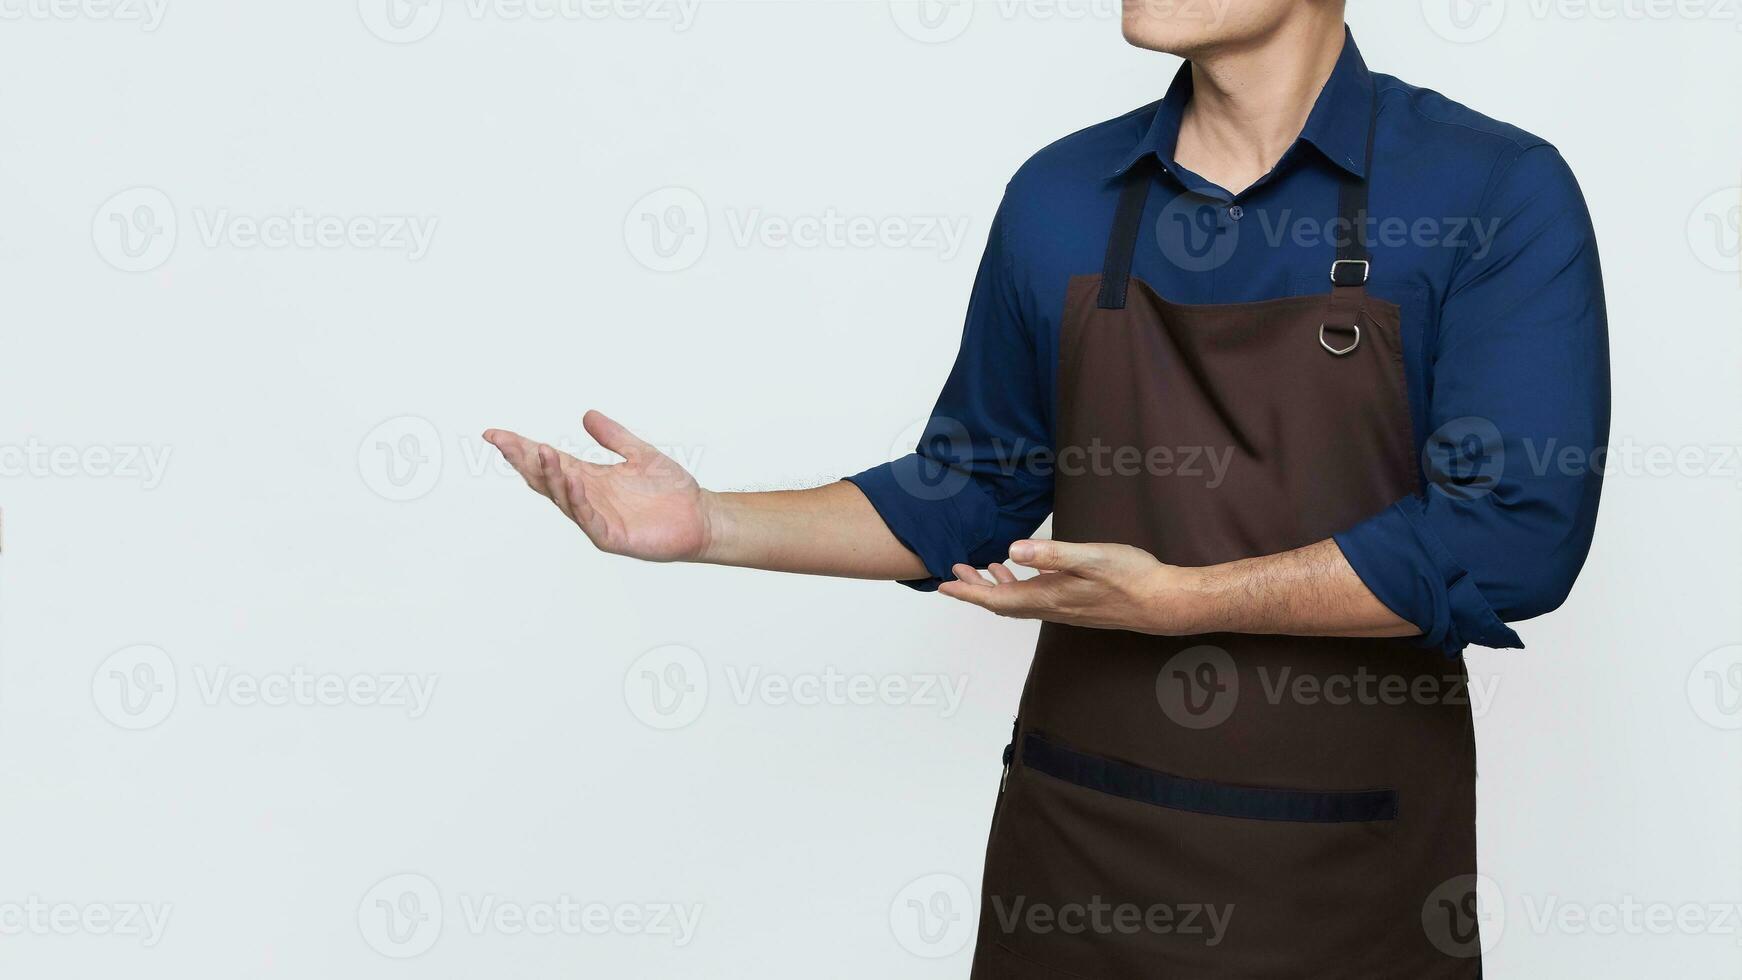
(1479, 234)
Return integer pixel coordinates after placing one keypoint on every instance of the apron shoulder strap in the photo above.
(1122, 241)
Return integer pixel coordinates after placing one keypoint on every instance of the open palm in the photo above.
(645, 507)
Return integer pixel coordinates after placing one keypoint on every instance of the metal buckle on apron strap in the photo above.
(1346, 274)
(1338, 279)
(1340, 351)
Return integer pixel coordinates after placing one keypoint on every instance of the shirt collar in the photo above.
(1337, 126)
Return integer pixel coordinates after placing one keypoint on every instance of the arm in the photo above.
(1516, 422)
(648, 507)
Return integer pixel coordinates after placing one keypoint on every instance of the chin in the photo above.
(1184, 40)
(1189, 29)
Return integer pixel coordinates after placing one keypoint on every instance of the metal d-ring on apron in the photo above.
(1232, 805)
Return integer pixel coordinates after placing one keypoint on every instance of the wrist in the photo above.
(718, 521)
(1183, 601)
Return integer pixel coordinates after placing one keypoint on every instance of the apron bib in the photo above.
(1232, 805)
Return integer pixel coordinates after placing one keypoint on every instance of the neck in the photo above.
(1249, 103)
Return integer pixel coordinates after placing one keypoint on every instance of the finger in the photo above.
(614, 436)
(535, 474)
(970, 574)
(1001, 574)
(1021, 600)
(516, 448)
(580, 508)
(550, 466)
(970, 592)
(522, 454)
(1057, 556)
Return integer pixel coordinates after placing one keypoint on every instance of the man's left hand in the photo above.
(1101, 586)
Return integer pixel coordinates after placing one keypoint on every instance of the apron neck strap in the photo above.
(1353, 260)
(1341, 329)
(1353, 257)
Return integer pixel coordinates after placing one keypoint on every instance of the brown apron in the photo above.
(1232, 805)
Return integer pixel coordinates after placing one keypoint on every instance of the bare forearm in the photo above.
(829, 530)
(1310, 591)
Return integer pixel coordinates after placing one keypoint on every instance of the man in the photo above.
(1289, 355)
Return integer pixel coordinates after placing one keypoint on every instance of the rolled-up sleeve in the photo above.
(968, 490)
(1518, 418)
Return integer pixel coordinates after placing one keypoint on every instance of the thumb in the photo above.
(1055, 556)
(613, 436)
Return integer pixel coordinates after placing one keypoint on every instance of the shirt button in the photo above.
(1236, 212)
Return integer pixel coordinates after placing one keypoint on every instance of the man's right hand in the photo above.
(649, 507)
(645, 507)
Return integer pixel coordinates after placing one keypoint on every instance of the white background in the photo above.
(302, 392)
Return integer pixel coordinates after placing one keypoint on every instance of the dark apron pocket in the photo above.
(1043, 754)
(1099, 867)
